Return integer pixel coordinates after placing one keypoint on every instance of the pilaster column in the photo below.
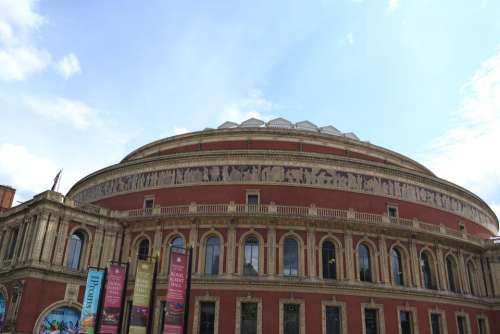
(61, 243)
(441, 273)
(157, 241)
(118, 245)
(40, 228)
(96, 247)
(107, 249)
(271, 251)
(462, 273)
(193, 242)
(231, 249)
(415, 265)
(126, 247)
(349, 256)
(488, 284)
(311, 253)
(384, 266)
(50, 236)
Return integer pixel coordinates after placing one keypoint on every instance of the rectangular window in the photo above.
(392, 211)
(371, 321)
(291, 318)
(149, 203)
(248, 318)
(405, 322)
(462, 325)
(436, 323)
(252, 199)
(207, 317)
(332, 319)
(483, 329)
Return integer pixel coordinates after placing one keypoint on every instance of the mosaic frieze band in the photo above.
(307, 176)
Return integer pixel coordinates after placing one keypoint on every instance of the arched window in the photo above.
(471, 272)
(290, 257)
(251, 264)
(177, 243)
(425, 265)
(397, 267)
(212, 256)
(365, 266)
(329, 260)
(451, 268)
(143, 251)
(64, 319)
(75, 250)
(3, 309)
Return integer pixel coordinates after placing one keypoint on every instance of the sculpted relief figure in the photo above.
(321, 177)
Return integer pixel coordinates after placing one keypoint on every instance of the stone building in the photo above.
(294, 229)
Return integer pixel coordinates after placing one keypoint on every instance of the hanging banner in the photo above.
(176, 294)
(91, 300)
(2, 311)
(113, 296)
(141, 298)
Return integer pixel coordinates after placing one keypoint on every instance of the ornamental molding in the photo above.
(290, 174)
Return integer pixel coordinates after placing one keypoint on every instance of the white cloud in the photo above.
(253, 105)
(24, 170)
(180, 131)
(393, 5)
(18, 63)
(69, 66)
(19, 56)
(60, 109)
(467, 153)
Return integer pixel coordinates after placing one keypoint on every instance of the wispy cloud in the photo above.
(253, 105)
(76, 113)
(69, 66)
(19, 55)
(393, 5)
(467, 153)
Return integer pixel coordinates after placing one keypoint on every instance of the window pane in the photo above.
(450, 265)
(397, 267)
(207, 317)
(332, 320)
(365, 271)
(405, 322)
(253, 199)
(12, 245)
(470, 273)
(74, 251)
(461, 325)
(143, 251)
(436, 323)
(212, 256)
(291, 318)
(248, 318)
(291, 258)
(251, 265)
(329, 261)
(426, 271)
(371, 326)
(482, 326)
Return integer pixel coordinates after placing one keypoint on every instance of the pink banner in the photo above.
(176, 294)
(111, 311)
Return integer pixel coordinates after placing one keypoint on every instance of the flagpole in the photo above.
(59, 181)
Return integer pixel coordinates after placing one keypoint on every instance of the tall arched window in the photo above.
(451, 268)
(397, 267)
(75, 250)
(290, 257)
(251, 264)
(365, 266)
(471, 272)
(329, 260)
(143, 251)
(425, 264)
(212, 252)
(178, 244)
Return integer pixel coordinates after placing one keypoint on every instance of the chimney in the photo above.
(6, 197)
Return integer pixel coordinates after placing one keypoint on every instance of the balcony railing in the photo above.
(196, 209)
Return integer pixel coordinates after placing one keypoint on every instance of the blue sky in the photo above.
(84, 82)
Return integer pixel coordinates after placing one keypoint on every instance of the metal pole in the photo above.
(188, 292)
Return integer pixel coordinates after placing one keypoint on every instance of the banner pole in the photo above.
(188, 292)
(124, 297)
(101, 301)
(153, 293)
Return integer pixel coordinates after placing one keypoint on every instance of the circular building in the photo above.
(295, 229)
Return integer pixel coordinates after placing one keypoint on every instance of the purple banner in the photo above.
(113, 296)
(176, 294)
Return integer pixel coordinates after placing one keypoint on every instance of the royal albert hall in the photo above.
(294, 228)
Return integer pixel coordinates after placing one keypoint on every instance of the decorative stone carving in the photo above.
(309, 176)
